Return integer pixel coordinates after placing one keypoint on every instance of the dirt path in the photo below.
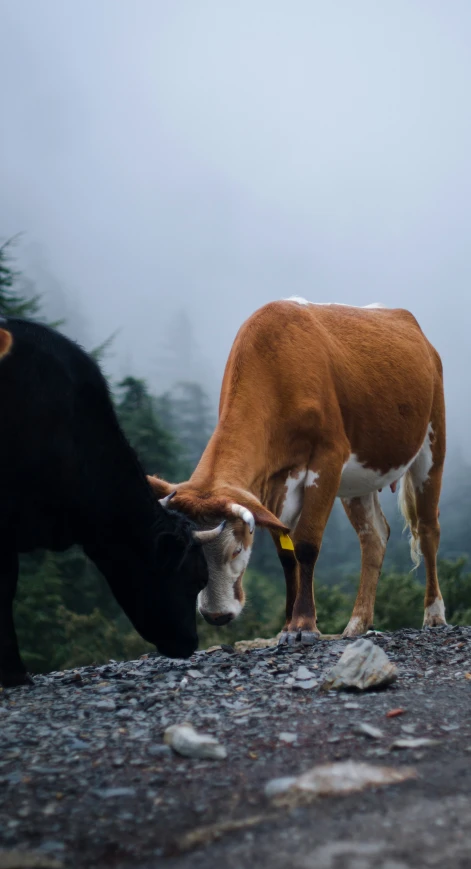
(86, 781)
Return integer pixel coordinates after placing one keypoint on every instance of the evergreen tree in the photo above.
(189, 416)
(157, 448)
(14, 303)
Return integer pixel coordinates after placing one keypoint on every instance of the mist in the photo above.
(172, 163)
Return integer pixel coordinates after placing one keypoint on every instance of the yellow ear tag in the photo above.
(286, 542)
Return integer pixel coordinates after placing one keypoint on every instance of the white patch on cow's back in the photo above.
(435, 613)
(422, 465)
(298, 300)
(358, 480)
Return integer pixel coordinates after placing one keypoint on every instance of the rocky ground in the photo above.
(87, 781)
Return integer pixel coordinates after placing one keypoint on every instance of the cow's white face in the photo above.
(227, 557)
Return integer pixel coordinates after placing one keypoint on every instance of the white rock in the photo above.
(369, 730)
(184, 739)
(288, 737)
(307, 684)
(339, 778)
(363, 665)
(414, 743)
(194, 674)
(279, 785)
(302, 673)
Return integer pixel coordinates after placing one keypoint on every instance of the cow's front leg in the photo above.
(319, 497)
(12, 669)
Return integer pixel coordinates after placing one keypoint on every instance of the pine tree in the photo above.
(12, 302)
(156, 448)
(189, 416)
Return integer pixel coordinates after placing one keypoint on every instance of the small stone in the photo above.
(279, 785)
(194, 674)
(114, 793)
(184, 739)
(305, 685)
(368, 730)
(302, 674)
(414, 743)
(124, 713)
(338, 778)
(362, 666)
(287, 737)
(105, 705)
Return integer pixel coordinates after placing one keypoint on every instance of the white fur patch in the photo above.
(437, 608)
(298, 299)
(357, 480)
(420, 470)
(293, 502)
(374, 519)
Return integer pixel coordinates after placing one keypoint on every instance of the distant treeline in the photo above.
(67, 617)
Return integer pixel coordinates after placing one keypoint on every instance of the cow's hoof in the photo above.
(15, 680)
(298, 638)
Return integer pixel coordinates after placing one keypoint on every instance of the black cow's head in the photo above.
(183, 574)
(156, 579)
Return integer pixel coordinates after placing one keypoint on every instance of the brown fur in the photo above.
(307, 387)
(6, 342)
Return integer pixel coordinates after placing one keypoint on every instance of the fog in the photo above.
(206, 157)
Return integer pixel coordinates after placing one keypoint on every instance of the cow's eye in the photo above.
(237, 552)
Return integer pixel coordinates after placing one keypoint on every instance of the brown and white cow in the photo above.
(320, 401)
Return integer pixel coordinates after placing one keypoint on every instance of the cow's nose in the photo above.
(217, 618)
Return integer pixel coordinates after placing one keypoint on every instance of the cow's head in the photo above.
(227, 552)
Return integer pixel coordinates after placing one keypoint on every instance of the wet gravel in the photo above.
(86, 779)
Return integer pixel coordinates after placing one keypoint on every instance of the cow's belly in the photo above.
(358, 480)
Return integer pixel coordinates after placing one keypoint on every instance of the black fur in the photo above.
(68, 475)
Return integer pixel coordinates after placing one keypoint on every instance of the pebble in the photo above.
(287, 737)
(414, 743)
(184, 739)
(368, 730)
(303, 674)
(114, 793)
(105, 705)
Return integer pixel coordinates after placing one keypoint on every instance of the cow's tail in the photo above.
(408, 506)
(6, 341)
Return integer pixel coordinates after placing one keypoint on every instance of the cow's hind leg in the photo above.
(369, 522)
(419, 496)
(12, 669)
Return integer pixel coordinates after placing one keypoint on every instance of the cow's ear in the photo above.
(160, 487)
(262, 516)
(265, 519)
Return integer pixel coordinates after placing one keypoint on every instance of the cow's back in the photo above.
(364, 374)
(55, 420)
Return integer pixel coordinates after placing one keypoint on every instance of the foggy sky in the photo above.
(210, 156)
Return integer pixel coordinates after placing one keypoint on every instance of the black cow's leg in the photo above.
(12, 669)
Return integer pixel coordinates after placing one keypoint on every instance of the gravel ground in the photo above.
(86, 780)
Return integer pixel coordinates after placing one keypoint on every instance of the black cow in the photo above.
(68, 475)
